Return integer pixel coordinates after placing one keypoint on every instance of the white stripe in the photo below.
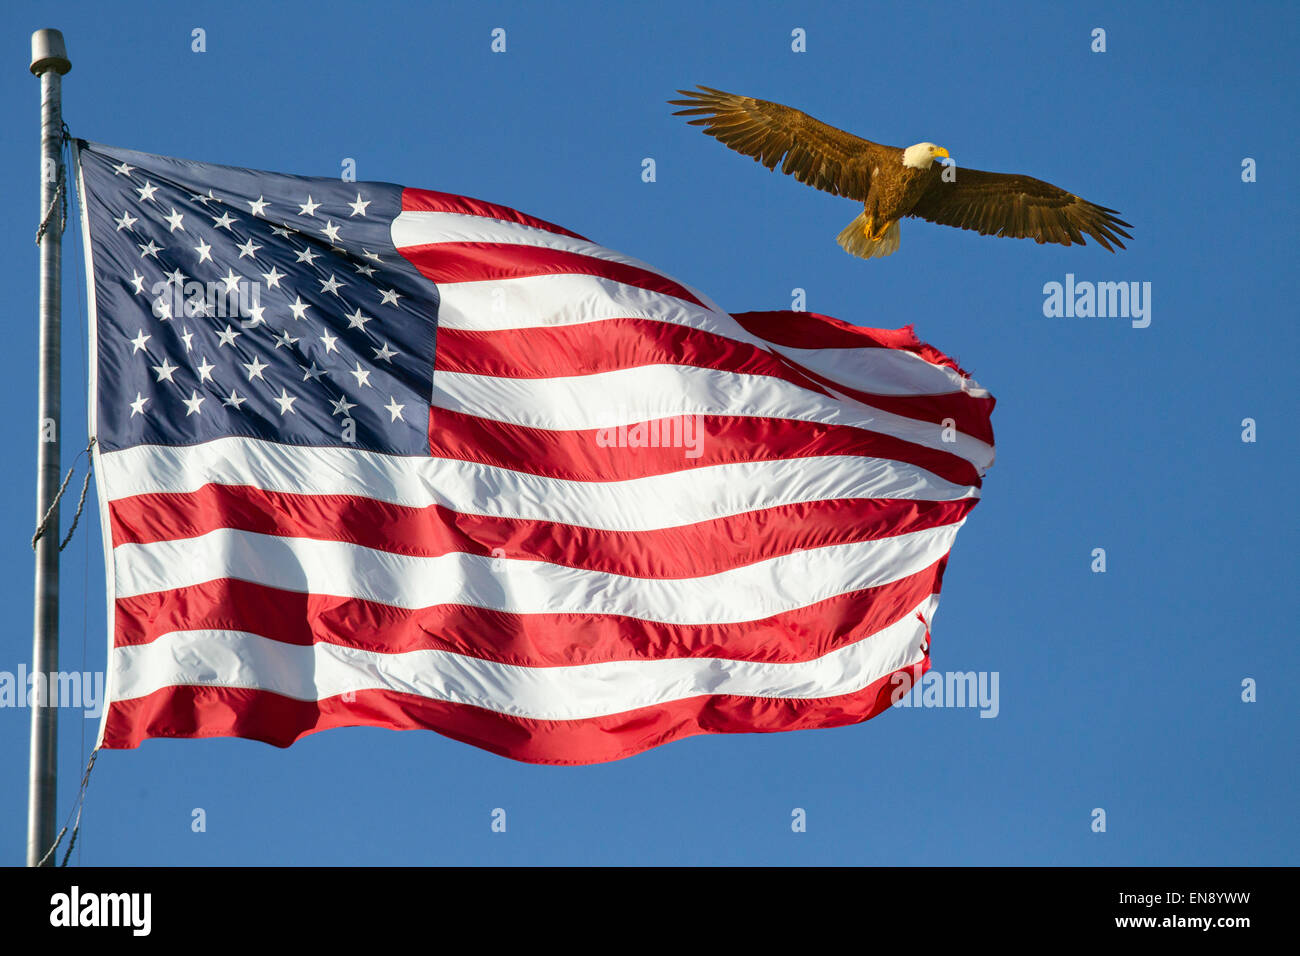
(637, 504)
(548, 300)
(343, 569)
(626, 396)
(879, 370)
(238, 659)
(432, 228)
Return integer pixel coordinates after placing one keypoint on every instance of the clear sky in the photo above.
(1119, 690)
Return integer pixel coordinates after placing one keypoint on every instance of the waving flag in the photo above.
(380, 456)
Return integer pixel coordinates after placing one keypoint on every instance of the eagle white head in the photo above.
(923, 155)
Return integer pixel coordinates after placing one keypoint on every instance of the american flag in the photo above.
(379, 456)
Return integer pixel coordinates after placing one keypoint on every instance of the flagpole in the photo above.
(49, 62)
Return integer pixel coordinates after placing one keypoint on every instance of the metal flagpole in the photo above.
(49, 62)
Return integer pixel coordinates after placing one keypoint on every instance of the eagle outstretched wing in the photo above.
(1008, 204)
(815, 153)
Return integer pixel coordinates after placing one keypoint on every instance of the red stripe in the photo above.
(525, 640)
(606, 345)
(810, 330)
(687, 551)
(261, 715)
(970, 414)
(588, 455)
(429, 200)
(479, 261)
(614, 344)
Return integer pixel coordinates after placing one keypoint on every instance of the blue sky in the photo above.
(1119, 690)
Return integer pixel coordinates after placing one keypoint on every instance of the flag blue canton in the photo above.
(234, 302)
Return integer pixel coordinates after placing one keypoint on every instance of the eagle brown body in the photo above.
(892, 183)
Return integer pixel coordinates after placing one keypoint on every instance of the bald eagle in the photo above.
(891, 182)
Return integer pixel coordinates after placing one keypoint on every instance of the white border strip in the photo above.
(92, 423)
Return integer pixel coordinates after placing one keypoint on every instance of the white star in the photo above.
(312, 373)
(234, 401)
(307, 255)
(285, 401)
(137, 280)
(257, 206)
(127, 220)
(299, 308)
(174, 220)
(331, 230)
(231, 280)
(362, 375)
(186, 336)
(273, 278)
(359, 207)
(248, 249)
(341, 406)
(199, 197)
(366, 270)
(383, 355)
(254, 368)
(390, 296)
(165, 370)
(394, 409)
(308, 208)
(223, 222)
(370, 255)
(284, 339)
(122, 169)
(192, 403)
(358, 321)
(147, 190)
(256, 320)
(138, 341)
(162, 308)
(331, 285)
(228, 337)
(175, 276)
(137, 407)
(280, 231)
(205, 370)
(205, 252)
(329, 341)
(152, 249)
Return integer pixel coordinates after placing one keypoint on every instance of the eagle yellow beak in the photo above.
(941, 152)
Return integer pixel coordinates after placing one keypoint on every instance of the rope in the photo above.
(60, 196)
(76, 826)
(81, 803)
(45, 521)
(81, 502)
(50, 852)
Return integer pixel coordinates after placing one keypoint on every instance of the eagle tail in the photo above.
(856, 239)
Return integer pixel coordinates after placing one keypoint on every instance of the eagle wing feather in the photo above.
(815, 153)
(1008, 204)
